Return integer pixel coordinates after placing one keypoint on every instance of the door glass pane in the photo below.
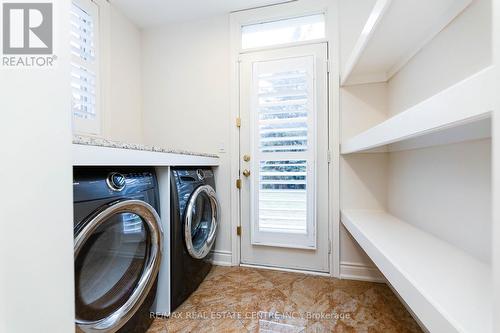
(201, 222)
(110, 265)
(282, 107)
(284, 149)
(283, 196)
(297, 29)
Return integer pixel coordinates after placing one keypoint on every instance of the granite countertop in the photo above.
(100, 142)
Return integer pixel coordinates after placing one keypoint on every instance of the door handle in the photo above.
(246, 172)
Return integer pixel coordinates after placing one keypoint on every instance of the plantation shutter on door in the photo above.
(283, 130)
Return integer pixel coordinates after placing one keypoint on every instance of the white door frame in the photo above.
(269, 13)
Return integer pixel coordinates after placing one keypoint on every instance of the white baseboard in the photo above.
(348, 270)
(355, 271)
(221, 258)
(289, 270)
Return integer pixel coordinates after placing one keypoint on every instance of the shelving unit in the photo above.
(422, 215)
(449, 290)
(459, 113)
(394, 32)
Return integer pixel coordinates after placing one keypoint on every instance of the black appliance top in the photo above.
(95, 183)
(186, 180)
(193, 175)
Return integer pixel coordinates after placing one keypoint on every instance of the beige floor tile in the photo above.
(236, 299)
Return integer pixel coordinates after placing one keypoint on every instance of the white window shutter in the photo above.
(85, 106)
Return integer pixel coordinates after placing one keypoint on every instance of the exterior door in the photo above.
(284, 158)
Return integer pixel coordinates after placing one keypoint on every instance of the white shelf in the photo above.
(449, 290)
(394, 32)
(86, 155)
(458, 113)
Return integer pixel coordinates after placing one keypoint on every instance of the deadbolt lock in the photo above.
(246, 172)
(246, 157)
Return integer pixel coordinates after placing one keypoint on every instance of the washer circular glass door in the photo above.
(200, 225)
(117, 258)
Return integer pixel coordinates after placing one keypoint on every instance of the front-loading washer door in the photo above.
(200, 224)
(117, 258)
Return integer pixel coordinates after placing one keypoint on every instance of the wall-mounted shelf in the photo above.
(458, 113)
(393, 33)
(449, 290)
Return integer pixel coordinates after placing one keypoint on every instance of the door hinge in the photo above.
(238, 183)
(329, 156)
(328, 66)
(329, 247)
(238, 230)
(238, 122)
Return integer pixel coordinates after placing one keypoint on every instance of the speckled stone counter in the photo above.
(100, 142)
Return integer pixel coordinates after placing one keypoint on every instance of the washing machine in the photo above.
(117, 248)
(193, 225)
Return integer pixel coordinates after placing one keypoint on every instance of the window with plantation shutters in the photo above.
(283, 130)
(85, 94)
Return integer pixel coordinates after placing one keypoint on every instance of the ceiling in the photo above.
(147, 13)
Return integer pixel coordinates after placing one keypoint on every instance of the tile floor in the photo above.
(237, 299)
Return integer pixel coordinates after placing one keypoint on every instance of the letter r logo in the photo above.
(27, 28)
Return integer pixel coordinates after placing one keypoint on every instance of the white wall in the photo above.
(496, 209)
(122, 119)
(460, 50)
(363, 177)
(496, 171)
(363, 181)
(186, 97)
(36, 238)
(362, 106)
(352, 18)
(446, 190)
